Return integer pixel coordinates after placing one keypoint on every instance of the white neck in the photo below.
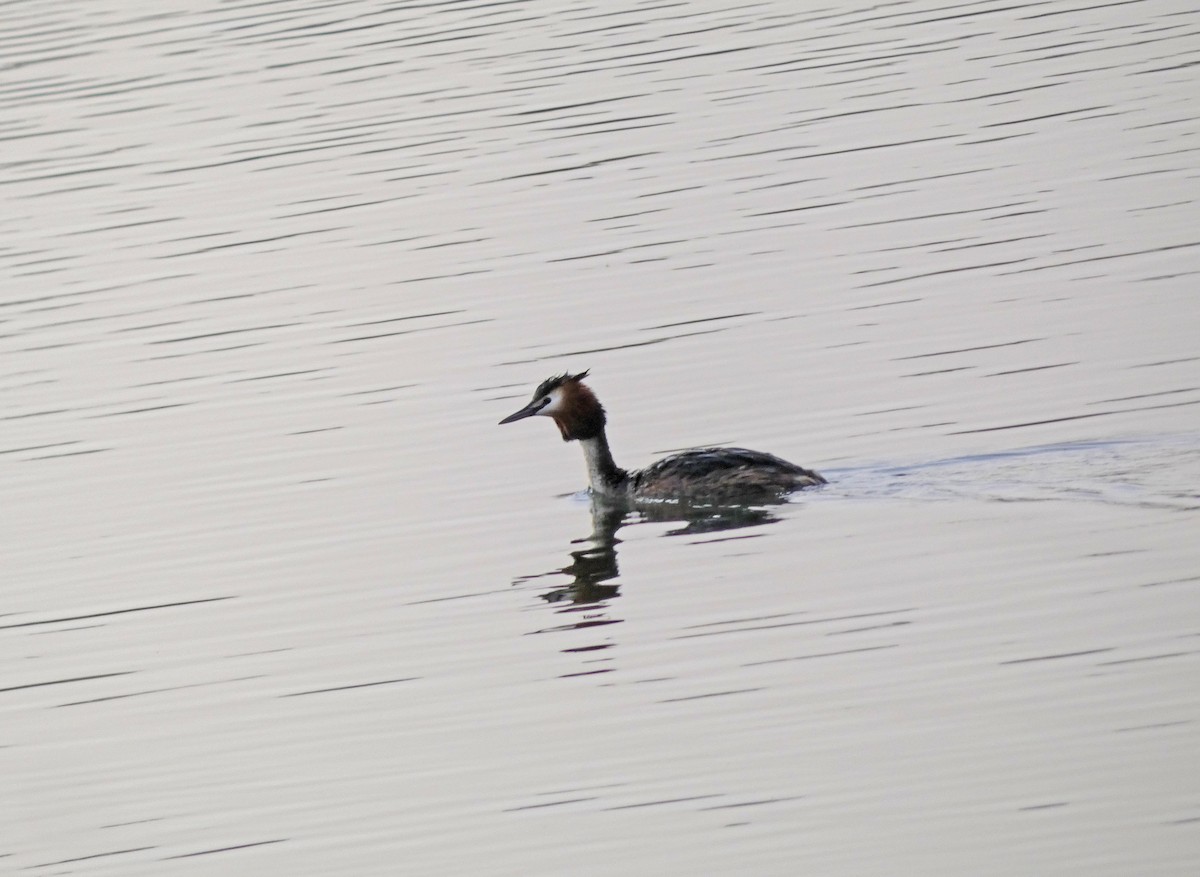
(603, 474)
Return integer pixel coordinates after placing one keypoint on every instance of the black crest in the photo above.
(551, 384)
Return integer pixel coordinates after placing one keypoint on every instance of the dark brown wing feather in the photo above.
(722, 475)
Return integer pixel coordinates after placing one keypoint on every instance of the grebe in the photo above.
(708, 475)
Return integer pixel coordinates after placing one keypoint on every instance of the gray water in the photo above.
(279, 597)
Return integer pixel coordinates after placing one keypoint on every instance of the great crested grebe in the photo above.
(711, 475)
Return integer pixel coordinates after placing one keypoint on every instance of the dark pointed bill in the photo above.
(528, 411)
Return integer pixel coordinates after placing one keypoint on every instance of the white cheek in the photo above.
(555, 405)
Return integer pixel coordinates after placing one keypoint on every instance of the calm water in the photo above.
(279, 597)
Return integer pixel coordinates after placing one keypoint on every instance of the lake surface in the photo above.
(279, 597)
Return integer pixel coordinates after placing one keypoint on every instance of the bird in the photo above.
(704, 476)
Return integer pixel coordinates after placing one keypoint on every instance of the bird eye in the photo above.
(546, 401)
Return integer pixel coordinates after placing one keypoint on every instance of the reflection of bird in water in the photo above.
(594, 565)
(705, 475)
(591, 565)
(586, 602)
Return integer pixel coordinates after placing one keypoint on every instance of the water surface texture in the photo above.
(280, 597)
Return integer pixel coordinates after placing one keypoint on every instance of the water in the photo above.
(280, 597)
